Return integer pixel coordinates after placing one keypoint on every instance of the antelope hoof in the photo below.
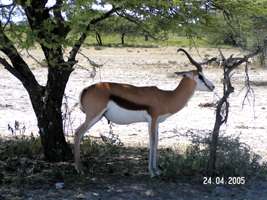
(154, 173)
(157, 172)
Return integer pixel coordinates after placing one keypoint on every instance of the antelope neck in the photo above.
(183, 93)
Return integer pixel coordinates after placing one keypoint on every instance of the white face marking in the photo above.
(189, 75)
(203, 84)
(119, 115)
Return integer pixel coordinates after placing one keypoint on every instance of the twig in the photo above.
(84, 68)
(9, 16)
(194, 44)
(67, 114)
(94, 64)
(7, 5)
(37, 61)
(249, 91)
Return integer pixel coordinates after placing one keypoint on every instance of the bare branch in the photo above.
(249, 89)
(83, 36)
(94, 64)
(32, 57)
(209, 61)
(9, 16)
(221, 54)
(7, 5)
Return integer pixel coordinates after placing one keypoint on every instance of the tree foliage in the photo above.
(238, 23)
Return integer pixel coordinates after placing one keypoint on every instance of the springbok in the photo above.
(125, 104)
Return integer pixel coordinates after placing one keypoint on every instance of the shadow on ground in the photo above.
(118, 172)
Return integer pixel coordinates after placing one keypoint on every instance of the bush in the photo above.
(234, 158)
(20, 147)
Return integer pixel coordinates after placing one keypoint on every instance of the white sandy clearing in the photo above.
(147, 66)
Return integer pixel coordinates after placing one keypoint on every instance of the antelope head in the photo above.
(202, 83)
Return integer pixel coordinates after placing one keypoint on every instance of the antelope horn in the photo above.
(193, 62)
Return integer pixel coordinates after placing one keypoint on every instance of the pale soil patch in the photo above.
(142, 66)
(146, 66)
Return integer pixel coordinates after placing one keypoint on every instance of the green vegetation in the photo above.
(18, 147)
(234, 159)
(21, 162)
(129, 23)
(113, 40)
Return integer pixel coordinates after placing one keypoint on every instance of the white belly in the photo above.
(119, 115)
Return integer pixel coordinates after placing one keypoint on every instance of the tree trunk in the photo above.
(55, 147)
(146, 38)
(47, 107)
(122, 38)
(222, 109)
(46, 100)
(263, 55)
(98, 38)
(51, 30)
(214, 141)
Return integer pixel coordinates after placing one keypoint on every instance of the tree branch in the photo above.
(19, 67)
(35, 59)
(249, 89)
(138, 23)
(7, 5)
(11, 69)
(83, 36)
(50, 32)
(9, 16)
(62, 28)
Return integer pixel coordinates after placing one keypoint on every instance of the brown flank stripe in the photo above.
(124, 103)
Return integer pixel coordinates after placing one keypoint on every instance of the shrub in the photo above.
(234, 158)
(20, 147)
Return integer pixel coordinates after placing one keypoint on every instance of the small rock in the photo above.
(150, 193)
(95, 194)
(59, 185)
(93, 179)
(80, 196)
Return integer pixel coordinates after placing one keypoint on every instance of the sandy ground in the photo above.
(141, 66)
(151, 66)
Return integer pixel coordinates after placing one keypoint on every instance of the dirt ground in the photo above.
(145, 66)
(137, 188)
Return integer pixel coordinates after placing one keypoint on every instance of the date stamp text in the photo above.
(224, 180)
